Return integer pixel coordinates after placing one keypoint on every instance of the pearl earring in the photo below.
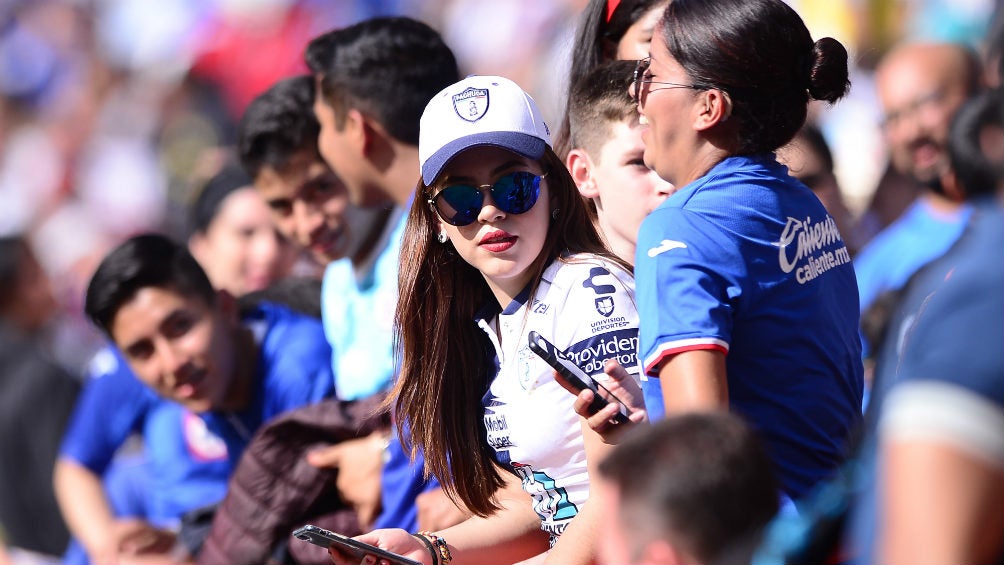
(442, 237)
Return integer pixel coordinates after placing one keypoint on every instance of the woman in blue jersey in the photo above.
(746, 287)
(499, 244)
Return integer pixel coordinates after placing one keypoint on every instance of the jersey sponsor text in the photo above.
(590, 354)
(812, 259)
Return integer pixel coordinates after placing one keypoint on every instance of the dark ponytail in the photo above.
(828, 78)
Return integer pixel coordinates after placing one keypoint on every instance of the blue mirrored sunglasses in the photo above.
(514, 193)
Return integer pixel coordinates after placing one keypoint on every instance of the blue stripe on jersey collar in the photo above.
(517, 302)
(491, 309)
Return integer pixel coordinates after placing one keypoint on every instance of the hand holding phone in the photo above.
(577, 377)
(355, 548)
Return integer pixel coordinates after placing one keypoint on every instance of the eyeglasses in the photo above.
(460, 204)
(641, 76)
(908, 112)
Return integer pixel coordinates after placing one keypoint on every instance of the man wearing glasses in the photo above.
(920, 88)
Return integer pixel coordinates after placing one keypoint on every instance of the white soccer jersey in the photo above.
(585, 306)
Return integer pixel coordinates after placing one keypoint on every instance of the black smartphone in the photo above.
(355, 548)
(577, 377)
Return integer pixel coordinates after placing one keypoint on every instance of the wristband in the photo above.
(444, 557)
(428, 544)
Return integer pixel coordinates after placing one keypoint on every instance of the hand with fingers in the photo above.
(138, 537)
(393, 540)
(360, 464)
(618, 382)
(437, 512)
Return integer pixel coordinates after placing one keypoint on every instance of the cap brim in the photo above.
(524, 144)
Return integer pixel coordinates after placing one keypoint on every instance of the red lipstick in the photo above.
(498, 241)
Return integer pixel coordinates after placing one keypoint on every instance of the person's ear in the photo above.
(713, 107)
(952, 187)
(358, 131)
(581, 167)
(372, 138)
(198, 247)
(438, 225)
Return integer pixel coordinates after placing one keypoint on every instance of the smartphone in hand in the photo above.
(577, 377)
(345, 544)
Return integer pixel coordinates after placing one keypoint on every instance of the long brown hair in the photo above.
(446, 363)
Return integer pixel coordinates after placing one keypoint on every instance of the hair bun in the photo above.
(828, 79)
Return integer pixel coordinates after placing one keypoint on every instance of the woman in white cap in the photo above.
(498, 244)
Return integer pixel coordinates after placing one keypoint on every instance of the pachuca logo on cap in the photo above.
(471, 104)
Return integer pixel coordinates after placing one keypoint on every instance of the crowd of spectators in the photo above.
(115, 117)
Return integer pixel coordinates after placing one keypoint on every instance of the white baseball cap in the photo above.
(479, 110)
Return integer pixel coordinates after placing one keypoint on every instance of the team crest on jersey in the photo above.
(524, 363)
(605, 305)
(471, 104)
(599, 287)
(203, 444)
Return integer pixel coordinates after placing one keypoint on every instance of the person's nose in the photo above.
(308, 220)
(171, 360)
(664, 189)
(909, 129)
(489, 211)
(267, 248)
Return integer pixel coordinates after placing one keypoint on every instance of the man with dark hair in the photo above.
(36, 398)
(920, 86)
(188, 343)
(278, 148)
(373, 81)
(696, 488)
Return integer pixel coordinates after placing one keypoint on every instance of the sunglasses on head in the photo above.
(514, 193)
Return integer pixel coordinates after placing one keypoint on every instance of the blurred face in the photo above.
(32, 302)
(665, 112)
(806, 165)
(308, 204)
(628, 190)
(637, 39)
(241, 250)
(179, 346)
(501, 245)
(341, 154)
(920, 90)
(613, 547)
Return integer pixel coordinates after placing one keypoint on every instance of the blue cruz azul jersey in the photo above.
(746, 261)
(190, 457)
(809, 248)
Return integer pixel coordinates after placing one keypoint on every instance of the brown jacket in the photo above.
(274, 490)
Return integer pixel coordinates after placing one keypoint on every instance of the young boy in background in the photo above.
(189, 346)
(606, 163)
(606, 156)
